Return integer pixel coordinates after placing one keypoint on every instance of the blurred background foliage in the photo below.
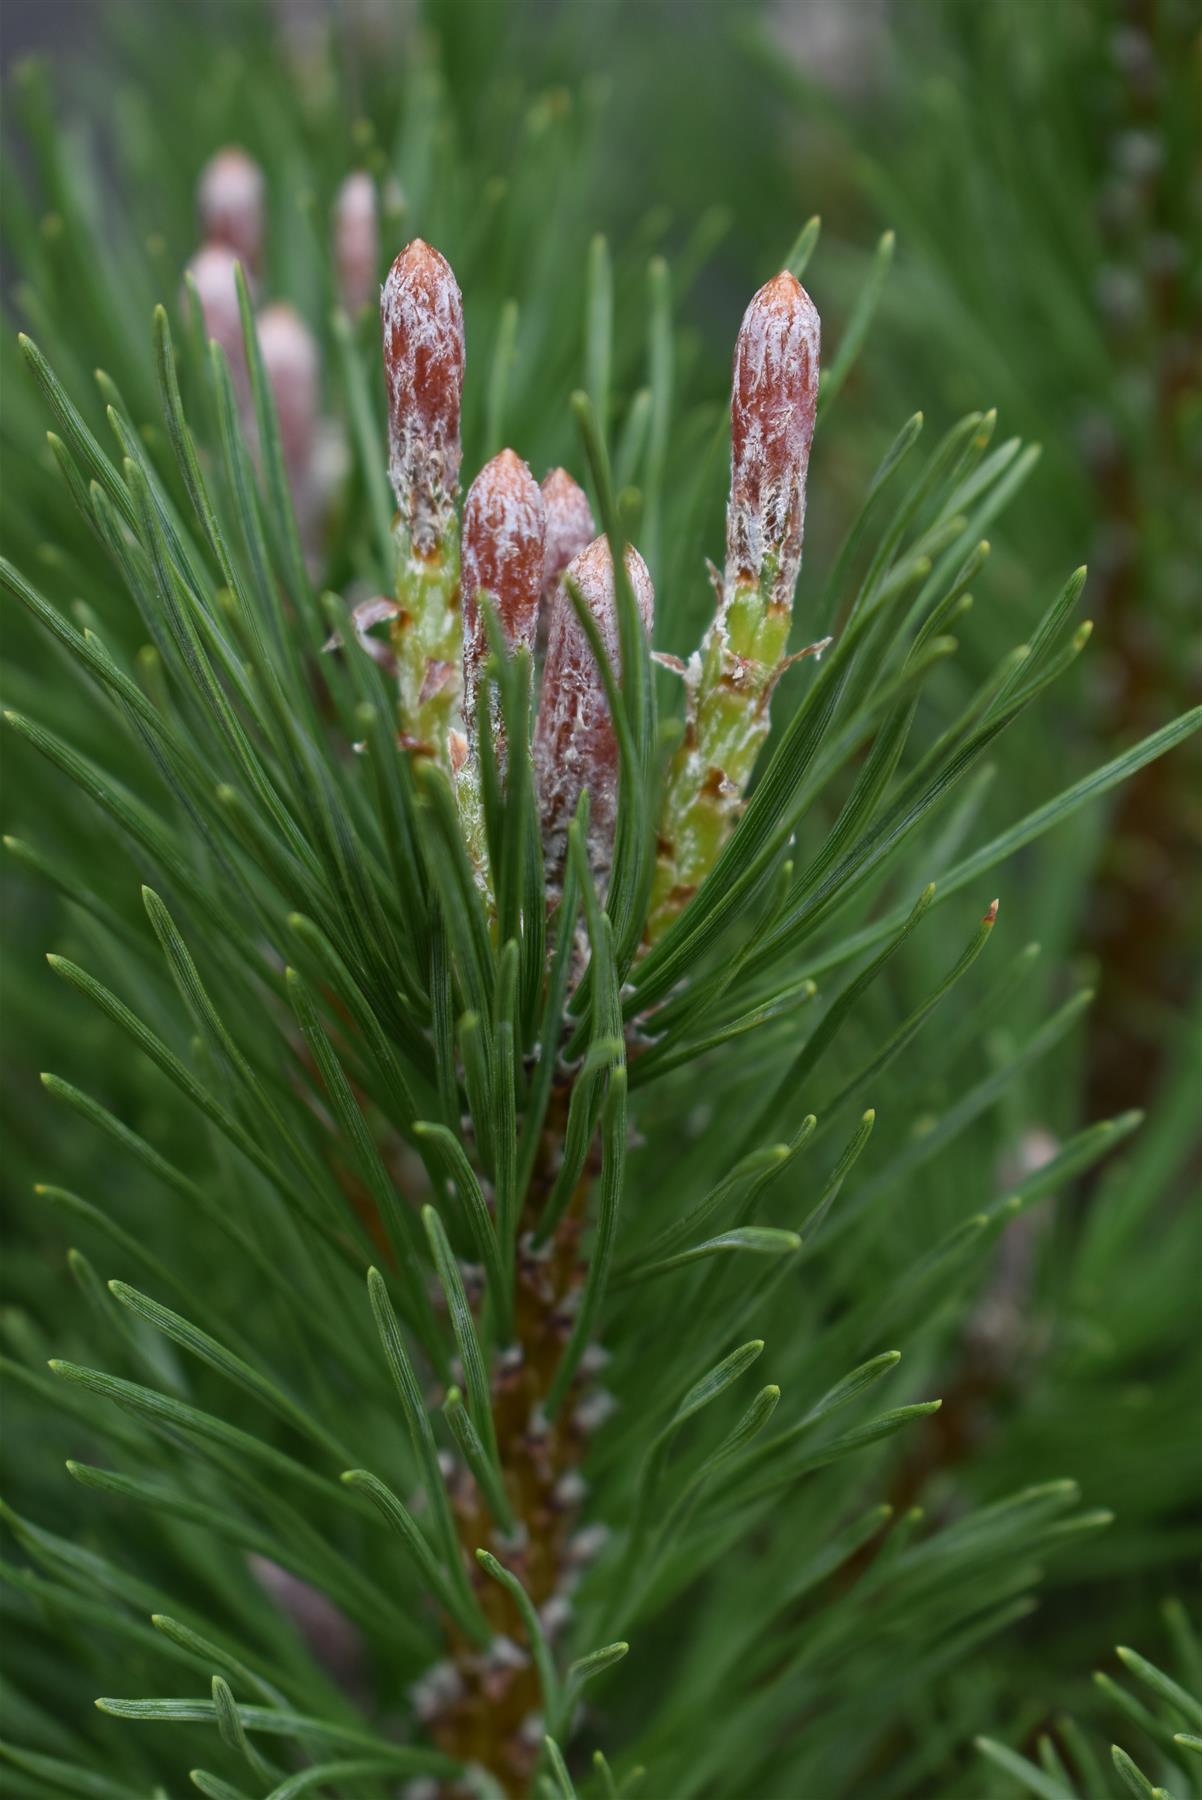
(1039, 164)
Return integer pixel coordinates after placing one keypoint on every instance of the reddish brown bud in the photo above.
(213, 270)
(504, 523)
(570, 527)
(230, 200)
(422, 315)
(356, 241)
(574, 744)
(773, 404)
(292, 364)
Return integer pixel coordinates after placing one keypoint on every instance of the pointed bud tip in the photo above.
(781, 298)
(558, 481)
(420, 264)
(569, 526)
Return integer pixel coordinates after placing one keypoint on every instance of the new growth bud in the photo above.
(230, 198)
(213, 270)
(574, 745)
(422, 316)
(504, 526)
(292, 364)
(570, 527)
(356, 241)
(774, 400)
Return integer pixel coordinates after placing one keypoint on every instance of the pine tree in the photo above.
(484, 1263)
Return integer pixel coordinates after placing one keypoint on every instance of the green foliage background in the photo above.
(1042, 185)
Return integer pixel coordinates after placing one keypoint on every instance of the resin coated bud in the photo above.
(729, 684)
(774, 400)
(356, 241)
(422, 316)
(575, 746)
(231, 201)
(570, 527)
(292, 364)
(504, 526)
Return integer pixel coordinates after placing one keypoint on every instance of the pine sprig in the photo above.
(398, 1021)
